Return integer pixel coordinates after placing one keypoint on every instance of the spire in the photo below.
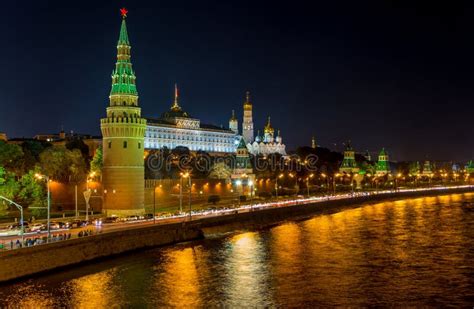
(233, 118)
(176, 106)
(123, 77)
(268, 127)
(123, 37)
(247, 104)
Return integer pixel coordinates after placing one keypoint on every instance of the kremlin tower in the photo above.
(383, 166)
(123, 132)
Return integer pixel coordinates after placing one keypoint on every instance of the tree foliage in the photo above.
(97, 162)
(32, 192)
(11, 157)
(63, 165)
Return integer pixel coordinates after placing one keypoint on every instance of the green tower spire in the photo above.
(123, 76)
(123, 38)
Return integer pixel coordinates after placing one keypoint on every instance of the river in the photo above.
(410, 252)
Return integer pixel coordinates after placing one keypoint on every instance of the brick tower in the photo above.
(123, 132)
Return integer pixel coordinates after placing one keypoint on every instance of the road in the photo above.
(112, 227)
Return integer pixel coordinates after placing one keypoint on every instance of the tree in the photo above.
(220, 170)
(32, 193)
(79, 144)
(63, 165)
(11, 157)
(8, 185)
(8, 188)
(97, 162)
(32, 150)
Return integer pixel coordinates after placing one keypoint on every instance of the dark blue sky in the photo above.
(380, 73)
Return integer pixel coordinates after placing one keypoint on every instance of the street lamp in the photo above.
(250, 183)
(399, 175)
(46, 178)
(334, 182)
(307, 182)
(184, 175)
(276, 184)
(296, 182)
(22, 219)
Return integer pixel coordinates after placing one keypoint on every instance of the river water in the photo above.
(412, 252)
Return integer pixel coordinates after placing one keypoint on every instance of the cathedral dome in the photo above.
(268, 128)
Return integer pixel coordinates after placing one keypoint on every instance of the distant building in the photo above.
(3, 137)
(427, 169)
(349, 164)
(368, 156)
(383, 166)
(177, 128)
(267, 144)
(314, 145)
(470, 167)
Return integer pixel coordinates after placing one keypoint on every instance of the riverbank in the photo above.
(16, 264)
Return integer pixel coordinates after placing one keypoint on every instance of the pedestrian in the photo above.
(11, 244)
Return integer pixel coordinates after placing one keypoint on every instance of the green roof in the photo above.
(383, 152)
(123, 76)
(123, 38)
(242, 144)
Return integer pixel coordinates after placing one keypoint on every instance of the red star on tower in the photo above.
(124, 12)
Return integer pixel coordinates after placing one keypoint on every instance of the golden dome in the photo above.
(268, 128)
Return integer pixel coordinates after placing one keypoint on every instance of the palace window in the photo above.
(124, 144)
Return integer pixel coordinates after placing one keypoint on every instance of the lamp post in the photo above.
(48, 216)
(250, 183)
(334, 182)
(296, 182)
(184, 175)
(327, 182)
(307, 182)
(22, 219)
(399, 175)
(154, 203)
(181, 193)
(276, 184)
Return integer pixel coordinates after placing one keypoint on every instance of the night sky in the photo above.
(380, 73)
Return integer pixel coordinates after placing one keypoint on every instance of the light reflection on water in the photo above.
(407, 252)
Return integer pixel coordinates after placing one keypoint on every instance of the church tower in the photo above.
(247, 126)
(123, 133)
(268, 132)
(234, 123)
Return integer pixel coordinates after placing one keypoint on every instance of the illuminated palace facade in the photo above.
(177, 128)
